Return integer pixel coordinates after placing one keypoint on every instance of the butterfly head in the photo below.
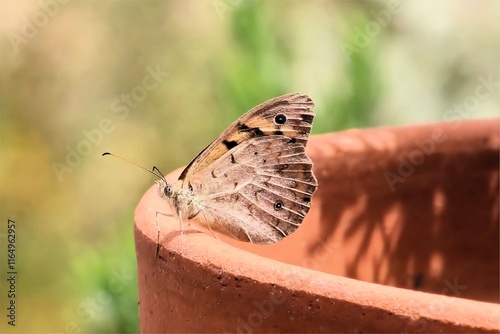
(172, 193)
(165, 189)
(181, 200)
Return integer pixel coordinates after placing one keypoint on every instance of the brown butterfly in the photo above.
(254, 182)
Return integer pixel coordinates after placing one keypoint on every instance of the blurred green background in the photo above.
(76, 80)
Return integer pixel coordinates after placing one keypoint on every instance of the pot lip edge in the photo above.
(225, 259)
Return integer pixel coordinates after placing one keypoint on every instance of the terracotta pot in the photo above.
(403, 236)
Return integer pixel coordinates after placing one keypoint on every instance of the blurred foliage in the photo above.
(361, 64)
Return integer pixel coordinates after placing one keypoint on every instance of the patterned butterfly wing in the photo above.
(259, 191)
(289, 115)
(255, 182)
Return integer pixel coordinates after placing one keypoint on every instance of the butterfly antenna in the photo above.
(155, 171)
(159, 174)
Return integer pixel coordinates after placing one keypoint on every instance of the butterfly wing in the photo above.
(259, 191)
(262, 120)
(255, 182)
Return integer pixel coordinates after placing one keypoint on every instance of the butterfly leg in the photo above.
(182, 230)
(158, 228)
(210, 227)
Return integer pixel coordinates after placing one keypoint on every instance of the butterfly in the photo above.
(254, 182)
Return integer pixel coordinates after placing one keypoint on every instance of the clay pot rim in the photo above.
(221, 258)
(320, 285)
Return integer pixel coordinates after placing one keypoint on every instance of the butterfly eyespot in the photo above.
(280, 119)
(278, 205)
(169, 190)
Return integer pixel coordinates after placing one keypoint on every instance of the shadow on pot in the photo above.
(405, 207)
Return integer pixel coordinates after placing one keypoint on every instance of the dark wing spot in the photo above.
(292, 140)
(278, 132)
(213, 174)
(278, 205)
(281, 167)
(308, 118)
(258, 132)
(280, 119)
(243, 128)
(306, 199)
(229, 144)
(255, 153)
(255, 131)
(232, 159)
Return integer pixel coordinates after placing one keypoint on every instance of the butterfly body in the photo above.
(255, 181)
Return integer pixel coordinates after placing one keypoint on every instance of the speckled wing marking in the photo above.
(259, 191)
(255, 181)
(289, 115)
